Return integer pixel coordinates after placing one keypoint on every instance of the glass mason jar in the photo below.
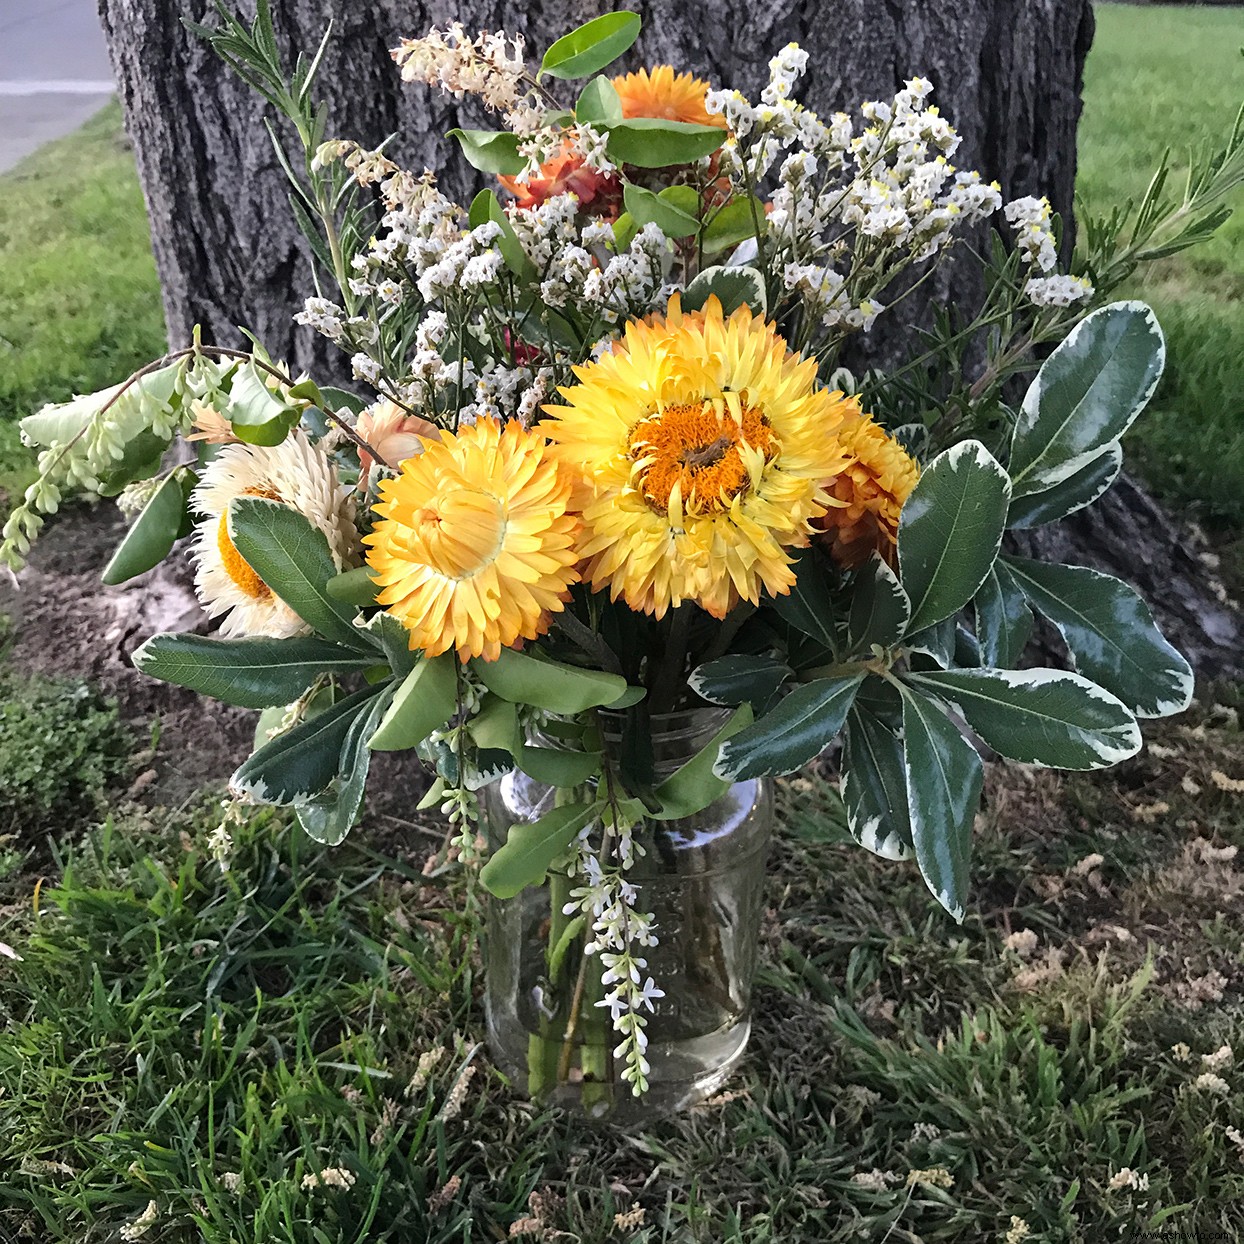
(702, 879)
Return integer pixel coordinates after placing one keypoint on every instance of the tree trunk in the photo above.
(1007, 73)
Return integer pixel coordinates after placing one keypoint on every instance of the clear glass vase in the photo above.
(702, 878)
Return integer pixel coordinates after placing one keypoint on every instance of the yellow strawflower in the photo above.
(474, 547)
(703, 450)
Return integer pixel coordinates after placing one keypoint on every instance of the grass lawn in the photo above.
(183, 1049)
(79, 299)
(1159, 78)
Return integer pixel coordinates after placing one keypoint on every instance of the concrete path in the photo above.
(54, 72)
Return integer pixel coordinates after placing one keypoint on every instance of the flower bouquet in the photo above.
(609, 538)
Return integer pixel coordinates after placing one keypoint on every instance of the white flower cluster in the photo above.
(490, 65)
(1031, 219)
(849, 203)
(619, 931)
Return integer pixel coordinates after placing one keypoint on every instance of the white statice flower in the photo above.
(295, 473)
(326, 318)
(1031, 218)
(364, 367)
(735, 107)
(1058, 290)
(142, 1224)
(974, 197)
(482, 271)
(337, 1177)
(567, 271)
(785, 69)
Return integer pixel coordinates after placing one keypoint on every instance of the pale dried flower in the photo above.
(444, 1194)
(875, 1180)
(1023, 942)
(1208, 1082)
(1019, 1231)
(384, 1125)
(329, 1177)
(1233, 786)
(1128, 1178)
(528, 1226)
(427, 1064)
(211, 427)
(457, 1095)
(1222, 1057)
(1236, 1137)
(925, 1131)
(231, 1181)
(629, 1220)
(932, 1177)
(1088, 863)
(1148, 813)
(142, 1224)
(1181, 1052)
(1163, 753)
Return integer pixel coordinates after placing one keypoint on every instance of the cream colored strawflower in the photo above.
(295, 473)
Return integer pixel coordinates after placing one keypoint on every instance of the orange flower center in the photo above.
(236, 566)
(459, 533)
(708, 454)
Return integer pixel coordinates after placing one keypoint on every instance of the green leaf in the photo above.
(950, 530)
(151, 397)
(305, 759)
(646, 142)
(491, 151)
(590, 47)
(598, 103)
(385, 632)
(293, 559)
(936, 641)
(675, 211)
(426, 700)
(1110, 634)
(793, 733)
(141, 458)
(809, 606)
(525, 856)
(329, 816)
(495, 725)
(880, 609)
(253, 673)
(1003, 618)
(1078, 490)
(874, 781)
(157, 528)
(732, 287)
(353, 587)
(624, 230)
(1086, 395)
(694, 786)
(732, 224)
(944, 777)
(487, 207)
(554, 767)
(550, 685)
(1039, 717)
(740, 679)
(257, 415)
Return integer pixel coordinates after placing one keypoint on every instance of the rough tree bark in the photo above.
(1007, 72)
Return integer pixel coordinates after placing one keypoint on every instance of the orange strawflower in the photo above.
(666, 95)
(869, 494)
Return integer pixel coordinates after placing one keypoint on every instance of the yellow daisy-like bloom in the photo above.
(295, 472)
(661, 93)
(870, 493)
(475, 547)
(703, 450)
